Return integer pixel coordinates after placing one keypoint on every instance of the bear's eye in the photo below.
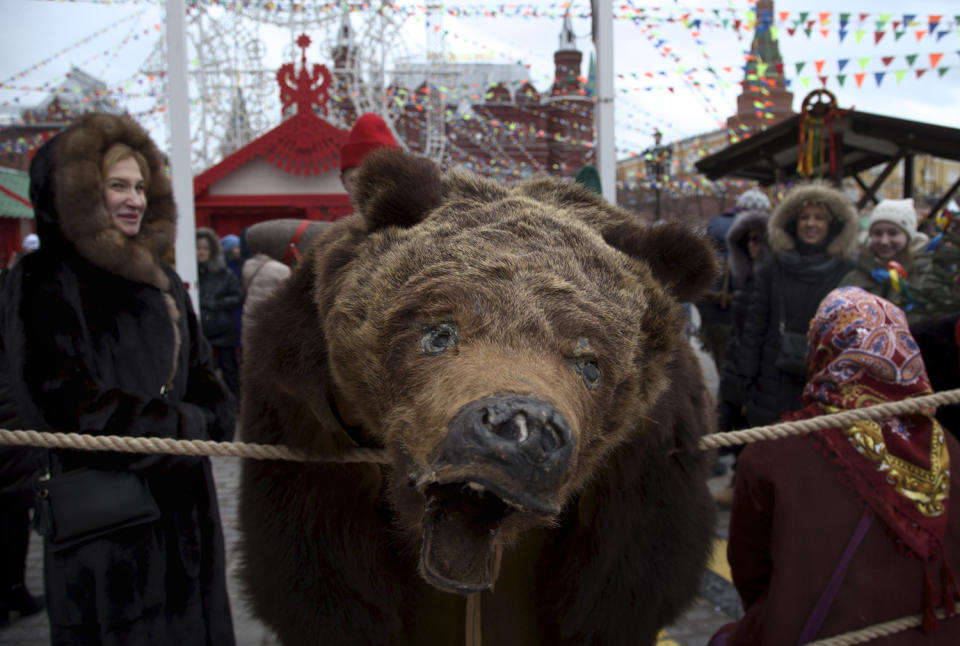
(589, 371)
(437, 339)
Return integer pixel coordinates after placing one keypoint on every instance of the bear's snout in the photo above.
(520, 446)
(519, 430)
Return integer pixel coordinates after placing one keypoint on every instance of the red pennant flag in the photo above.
(819, 65)
(823, 81)
(736, 24)
(779, 67)
(920, 73)
(859, 78)
(887, 60)
(878, 36)
(864, 16)
(934, 59)
(791, 30)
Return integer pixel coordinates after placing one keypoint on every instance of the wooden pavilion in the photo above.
(824, 141)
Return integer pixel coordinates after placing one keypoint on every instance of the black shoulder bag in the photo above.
(792, 357)
(77, 506)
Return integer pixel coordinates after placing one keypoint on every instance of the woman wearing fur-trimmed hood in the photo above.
(812, 236)
(100, 338)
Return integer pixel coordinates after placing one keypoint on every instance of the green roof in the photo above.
(18, 183)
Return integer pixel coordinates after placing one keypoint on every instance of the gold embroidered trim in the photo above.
(927, 489)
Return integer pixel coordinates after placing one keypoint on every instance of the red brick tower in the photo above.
(764, 99)
(569, 109)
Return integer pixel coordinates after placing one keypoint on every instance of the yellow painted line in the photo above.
(718, 560)
(664, 640)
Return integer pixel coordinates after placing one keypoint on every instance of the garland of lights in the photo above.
(694, 19)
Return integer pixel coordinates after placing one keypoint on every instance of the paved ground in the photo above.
(711, 610)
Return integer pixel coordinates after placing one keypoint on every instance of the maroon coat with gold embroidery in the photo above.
(790, 523)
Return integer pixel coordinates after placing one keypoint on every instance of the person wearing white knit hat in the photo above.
(892, 237)
(893, 224)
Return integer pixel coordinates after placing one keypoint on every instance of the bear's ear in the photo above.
(396, 189)
(684, 261)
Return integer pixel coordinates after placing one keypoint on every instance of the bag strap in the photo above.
(292, 250)
(819, 614)
(783, 310)
(725, 288)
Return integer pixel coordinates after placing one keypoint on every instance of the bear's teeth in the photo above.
(521, 424)
(476, 486)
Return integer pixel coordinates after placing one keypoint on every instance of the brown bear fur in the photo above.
(537, 279)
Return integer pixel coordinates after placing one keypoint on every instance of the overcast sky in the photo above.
(41, 39)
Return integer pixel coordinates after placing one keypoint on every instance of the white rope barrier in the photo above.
(84, 442)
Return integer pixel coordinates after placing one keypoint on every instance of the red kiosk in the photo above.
(292, 171)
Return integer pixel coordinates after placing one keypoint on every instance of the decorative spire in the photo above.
(764, 99)
(308, 90)
(566, 60)
(345, 31)
(239, 131)
(764, 50)
(568, 42)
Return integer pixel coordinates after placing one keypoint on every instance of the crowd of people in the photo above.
(845, 527)
(811, 315)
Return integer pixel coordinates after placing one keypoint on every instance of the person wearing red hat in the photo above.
(368, 133)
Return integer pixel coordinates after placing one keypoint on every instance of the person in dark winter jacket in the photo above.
(939, 341)
(100, 337)
(746, 251)
(19, 468)
(220, 295)
(812, 236)
(715, 307)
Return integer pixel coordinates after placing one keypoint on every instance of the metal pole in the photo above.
(606, 152)
(178, 111)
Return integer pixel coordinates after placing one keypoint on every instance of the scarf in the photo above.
(861, 353)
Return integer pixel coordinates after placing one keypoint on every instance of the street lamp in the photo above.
(657, 161)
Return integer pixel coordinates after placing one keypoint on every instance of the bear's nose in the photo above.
(523, 438)
(531, 426)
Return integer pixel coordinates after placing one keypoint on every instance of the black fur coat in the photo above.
(100, 337)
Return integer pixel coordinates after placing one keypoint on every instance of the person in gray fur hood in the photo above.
(812, 236)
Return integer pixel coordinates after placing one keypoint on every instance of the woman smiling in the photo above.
(892, 237)
(812, 236)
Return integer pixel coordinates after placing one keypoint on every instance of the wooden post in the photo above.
(880, 179)
(908, 176)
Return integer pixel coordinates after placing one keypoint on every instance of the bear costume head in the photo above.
(517, 353)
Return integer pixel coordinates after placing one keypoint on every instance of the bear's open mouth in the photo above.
(460, 528)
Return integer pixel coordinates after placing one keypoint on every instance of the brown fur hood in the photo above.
(66, 188)
(738, 254)
(216, 260)
(781, 230)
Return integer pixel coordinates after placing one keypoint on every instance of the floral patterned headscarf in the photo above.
(861, 353)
